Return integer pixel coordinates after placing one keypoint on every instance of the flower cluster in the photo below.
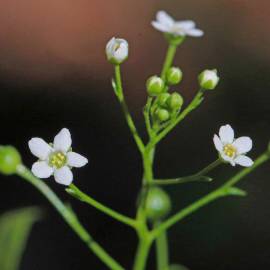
(58, 158)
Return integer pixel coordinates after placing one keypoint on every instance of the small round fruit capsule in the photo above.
(158, 204)
(9, 159)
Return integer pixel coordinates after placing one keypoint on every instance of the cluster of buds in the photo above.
(166, 105)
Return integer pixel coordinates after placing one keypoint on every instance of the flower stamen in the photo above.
(58, 160)
(229, 150)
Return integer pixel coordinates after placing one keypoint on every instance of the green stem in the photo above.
(222, 191)
(146, 113)
(162, 252)
(193, 105)
(77, 193)
(142, 254)
(121, 98)
(70, 218)
(191, 178)
(168, 60)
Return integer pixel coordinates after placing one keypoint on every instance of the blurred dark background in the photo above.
(53, 74)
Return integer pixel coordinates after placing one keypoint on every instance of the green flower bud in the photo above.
(162, 99)
(158, 204)
(162, 115)
(10, 158)
(174, 75)
(155, 86)
(208, 79)
(175, 101)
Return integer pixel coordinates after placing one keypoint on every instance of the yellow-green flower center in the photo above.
(229, 150)
(116, 46)
(57, 159)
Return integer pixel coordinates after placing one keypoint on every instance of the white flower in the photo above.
(165, 23)
(117, 50)
(56, 159)
(233, 150)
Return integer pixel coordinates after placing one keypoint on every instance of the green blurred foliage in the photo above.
(15, 227)
(178, 267)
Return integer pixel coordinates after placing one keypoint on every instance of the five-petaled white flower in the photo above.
(233, 150)
(56, 159)
(165, 23)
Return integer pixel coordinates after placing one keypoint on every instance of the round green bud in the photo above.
(175, 101)
(174, 75)
(208, 79)
(162, 99)
(155, 86)
(162, 115)
(9, 159)
(158, 204)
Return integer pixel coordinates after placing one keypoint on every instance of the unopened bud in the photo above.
(117, 50)
(162, 115)
(155, 86)
(208, 79)
(174, 75)
(162, 99)
(175, 101)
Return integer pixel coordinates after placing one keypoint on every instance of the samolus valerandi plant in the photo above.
(163, 111)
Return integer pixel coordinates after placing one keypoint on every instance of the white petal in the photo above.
(39, 148)
(164, 18)
(63, 176)
(110, 44)
(161, 27)
(243, 145)
(41, 169)
(62, 141)
(185, 24)
(227, 159)
(194, 32)
(76, 160)
(244, 161)
(226, 134)
(217, 142)
(122, 52)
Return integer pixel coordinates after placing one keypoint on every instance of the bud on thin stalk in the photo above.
(155, 86)
(174, 75)
(117, 50)
(208, 79)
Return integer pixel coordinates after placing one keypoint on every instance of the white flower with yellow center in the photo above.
(165, 23)
(56, 159)
(233, 150)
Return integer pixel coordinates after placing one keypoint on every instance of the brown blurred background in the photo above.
(53, 74)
